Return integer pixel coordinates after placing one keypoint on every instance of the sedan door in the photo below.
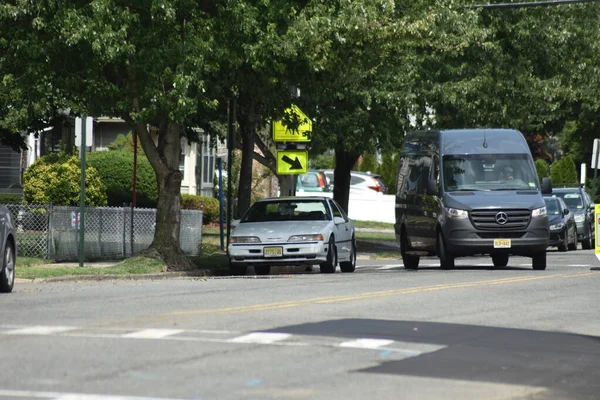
(343, 231)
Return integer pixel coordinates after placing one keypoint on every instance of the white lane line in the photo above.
(390, 267)
(366, 343)
(260, 337)
(153, 333)
(579, 265)
(72, 396)
(40, 330)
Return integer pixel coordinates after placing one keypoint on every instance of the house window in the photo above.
(208, 162)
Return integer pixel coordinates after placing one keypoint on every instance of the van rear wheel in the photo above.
(446, 257)
(409, 261)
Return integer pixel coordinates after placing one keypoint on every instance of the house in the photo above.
(197, 162)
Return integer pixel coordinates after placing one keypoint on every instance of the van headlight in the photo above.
(455, 213)
(539, 212)
(557, 227)
(580, 218)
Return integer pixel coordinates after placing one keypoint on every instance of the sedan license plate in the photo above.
(502, 243)
(273, 252)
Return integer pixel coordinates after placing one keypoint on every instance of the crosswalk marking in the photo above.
(39, 330)
(261, 337)
(30, 394)
(366, 343)
(153, 333)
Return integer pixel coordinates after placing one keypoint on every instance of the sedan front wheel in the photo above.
(350, 266)
(7, 270)
(328, 267)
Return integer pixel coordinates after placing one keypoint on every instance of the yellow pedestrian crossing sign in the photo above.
(292, 162)
(297, 129)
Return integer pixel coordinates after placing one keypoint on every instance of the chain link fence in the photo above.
(53, 232)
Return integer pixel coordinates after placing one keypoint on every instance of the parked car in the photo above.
(563, 229)
(293, 231)
(362, 182)
(312, 181)
(8, 250)
(582, 207)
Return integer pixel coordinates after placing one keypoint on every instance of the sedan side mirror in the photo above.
(339, 220)
(235, 223)
(566, 211)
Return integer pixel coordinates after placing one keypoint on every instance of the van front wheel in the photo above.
(446, 257)
(538, 261)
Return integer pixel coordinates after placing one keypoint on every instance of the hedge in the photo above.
(116, 171)
(9, 198)
(210, 206)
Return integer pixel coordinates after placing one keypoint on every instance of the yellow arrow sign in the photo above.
(283, 133)
(291, 162)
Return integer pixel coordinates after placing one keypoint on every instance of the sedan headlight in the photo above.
(539, 212)
(306, 238)
(580, 218)
(244, 239)
(557, 227)
(456, 213)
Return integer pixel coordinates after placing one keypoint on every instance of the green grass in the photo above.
(135, 266)
(390, 237)
(373, 225)
(27, 262)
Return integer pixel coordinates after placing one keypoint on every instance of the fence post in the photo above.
(131, 230)
(100, 228)
(124, 230)
(50, 228)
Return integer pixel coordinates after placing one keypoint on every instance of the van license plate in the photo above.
(502, 243)
(273, 252)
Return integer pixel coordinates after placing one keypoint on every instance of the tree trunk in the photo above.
(165, 158)
(344, 162)
(247, 130)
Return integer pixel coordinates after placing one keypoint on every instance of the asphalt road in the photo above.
(476, 332)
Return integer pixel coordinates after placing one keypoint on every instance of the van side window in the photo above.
(403, 166)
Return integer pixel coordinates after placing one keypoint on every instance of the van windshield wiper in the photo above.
(469, 190)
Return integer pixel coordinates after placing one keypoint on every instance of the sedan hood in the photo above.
(281, 231)
(505, 199)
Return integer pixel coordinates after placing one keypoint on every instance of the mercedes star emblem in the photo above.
(501, 218)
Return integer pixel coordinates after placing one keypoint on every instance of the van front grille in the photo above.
(492, 219)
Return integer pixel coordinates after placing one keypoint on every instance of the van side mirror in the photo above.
(431, 187)
(546, 185)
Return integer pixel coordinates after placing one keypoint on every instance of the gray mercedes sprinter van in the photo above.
(470, 191)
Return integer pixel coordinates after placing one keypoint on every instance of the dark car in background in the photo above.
(8, 250)
(581, 205)
(563, 229)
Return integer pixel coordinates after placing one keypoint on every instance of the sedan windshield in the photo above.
(286, 210)
(488, 172)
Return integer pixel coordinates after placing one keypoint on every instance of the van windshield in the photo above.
(488, 172)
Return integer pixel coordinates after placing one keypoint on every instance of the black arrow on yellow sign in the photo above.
(294, 164)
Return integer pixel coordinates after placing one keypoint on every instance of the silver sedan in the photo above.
(7, 250)
(293, 231)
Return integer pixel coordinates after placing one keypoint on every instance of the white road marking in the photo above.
(153, 333)
(40, 330)
(261, 337)
(366, 343)
(390, 266)
(72, 396)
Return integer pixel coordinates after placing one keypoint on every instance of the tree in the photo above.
(145, 62)
(369, 163)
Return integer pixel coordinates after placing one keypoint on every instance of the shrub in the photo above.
(10, 199)
(564, 172)
(542, 169)
(388, 170)
(116, 171)
(55, 178)
(208, 204)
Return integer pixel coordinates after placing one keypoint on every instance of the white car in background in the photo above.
(361, 182)
(293, 231)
